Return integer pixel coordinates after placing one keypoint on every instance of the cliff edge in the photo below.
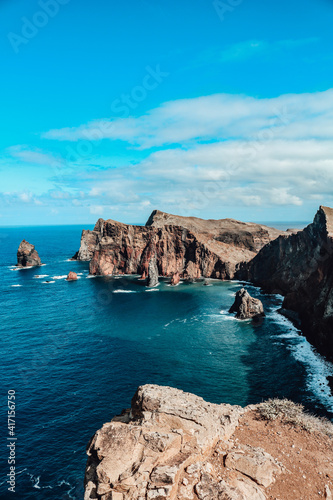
(300, 267)
(174, 445)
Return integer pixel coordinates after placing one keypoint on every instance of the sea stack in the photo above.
(175, 279)
(245, 306)
(152, 272)
(71, 276)
(27, 256)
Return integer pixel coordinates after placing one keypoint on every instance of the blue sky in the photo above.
(214, 109)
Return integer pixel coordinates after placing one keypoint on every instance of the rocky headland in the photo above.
(295, 264)
(187, 247)
(27, 255)
(300, 267)
(174, 445)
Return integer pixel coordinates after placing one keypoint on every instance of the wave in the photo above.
(316, 366)
(21, 268)
(36, 483)
(48, 281)
(16, 473)
(38, 276)
(124, 291)
(152, 290)
(64, 276)
(15, 285)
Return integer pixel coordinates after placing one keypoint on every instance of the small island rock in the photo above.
(246, 306)
(27, 255)
(175, 279)
(71, 276)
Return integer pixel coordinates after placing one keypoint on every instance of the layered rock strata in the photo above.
(245, 306)
(174, 445)
(192, 247)
(300, 267)
(27, 255)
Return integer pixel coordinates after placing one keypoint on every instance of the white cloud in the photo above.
(25, 197)
(213, 151)
(35, 157)
(96, 209)
(216, 117)
(252, 48)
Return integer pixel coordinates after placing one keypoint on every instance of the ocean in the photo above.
(75, 352)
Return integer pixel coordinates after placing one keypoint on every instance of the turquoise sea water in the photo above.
(75, 353)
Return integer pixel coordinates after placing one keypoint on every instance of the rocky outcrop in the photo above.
(175, 278)
(174, 445)
(153, 271)
(27, 255)
(192, 247)
(71, 276)
(89, 241)
(245, 306)
(300, 267)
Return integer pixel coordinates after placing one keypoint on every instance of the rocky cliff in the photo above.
(189, 246)
(174, 445)
(300, 267)
(27, 255)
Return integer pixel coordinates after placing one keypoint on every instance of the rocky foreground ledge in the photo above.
(174, 445)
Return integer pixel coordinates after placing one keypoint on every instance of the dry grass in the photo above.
(293, 414)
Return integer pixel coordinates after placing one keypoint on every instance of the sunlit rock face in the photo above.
(185, 246)
(27, 255)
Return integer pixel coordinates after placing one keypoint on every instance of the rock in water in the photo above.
(27, 255)
(71, 276)
(175, 279)
(152, 272)
(246, 306)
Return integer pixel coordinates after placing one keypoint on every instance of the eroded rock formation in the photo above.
(245, 306)
(174, 445)
(27, 255)
(192, 247)
(153, 271)
(300, 267)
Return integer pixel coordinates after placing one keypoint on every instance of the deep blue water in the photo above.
(75, 353)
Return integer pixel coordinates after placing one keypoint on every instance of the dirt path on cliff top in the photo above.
(308, 457)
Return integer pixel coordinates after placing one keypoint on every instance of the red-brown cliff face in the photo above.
(192, 247)
(300, 267)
